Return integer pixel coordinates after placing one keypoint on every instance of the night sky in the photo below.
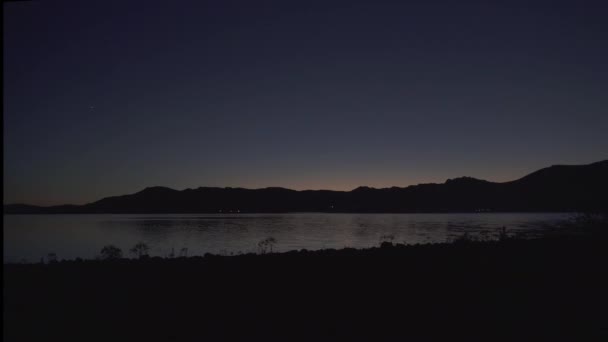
(106, 98)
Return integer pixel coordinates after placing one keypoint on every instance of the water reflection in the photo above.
(71, 236)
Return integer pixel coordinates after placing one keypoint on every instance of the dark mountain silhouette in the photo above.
(556, 188)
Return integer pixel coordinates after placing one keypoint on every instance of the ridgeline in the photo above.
(560, 188)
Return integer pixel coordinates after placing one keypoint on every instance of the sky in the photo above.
(107, 98)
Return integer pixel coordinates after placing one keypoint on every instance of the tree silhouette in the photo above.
(52, 257)
(387, 238)
(183, 252)
(465, 238)
(502, 234)
(140, 249)
(265, 244)
(111, 252)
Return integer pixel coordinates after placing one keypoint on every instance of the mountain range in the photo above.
(559, 188)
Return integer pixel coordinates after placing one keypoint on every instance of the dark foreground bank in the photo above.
(549, 289)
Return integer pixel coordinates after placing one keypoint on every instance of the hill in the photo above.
(559, 188)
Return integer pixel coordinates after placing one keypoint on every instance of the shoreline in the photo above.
(547, 288)
(311, 212)
(461, 240)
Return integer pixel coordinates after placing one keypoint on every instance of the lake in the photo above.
(31, 237)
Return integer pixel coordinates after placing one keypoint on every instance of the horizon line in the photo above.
(303, 190)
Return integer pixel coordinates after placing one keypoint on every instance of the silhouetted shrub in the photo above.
(502, 235)
(592, 222)
(465, 238)
(265, 244)
(386, 244)
(140, 250)
(52, 257)
(111, 252)
(387, 238)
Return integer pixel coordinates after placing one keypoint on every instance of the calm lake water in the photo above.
(31, 237)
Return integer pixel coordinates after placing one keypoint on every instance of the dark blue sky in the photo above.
(106, 98)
